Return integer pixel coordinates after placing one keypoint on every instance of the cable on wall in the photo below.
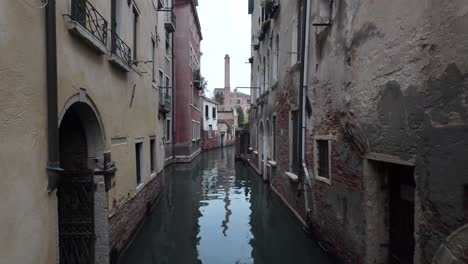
(45, 2)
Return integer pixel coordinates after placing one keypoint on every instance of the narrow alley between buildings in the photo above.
(216, 210)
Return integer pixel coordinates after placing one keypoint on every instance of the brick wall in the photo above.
(210, 143)
(128, 218)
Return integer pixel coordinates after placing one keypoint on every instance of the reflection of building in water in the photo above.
(227, 202)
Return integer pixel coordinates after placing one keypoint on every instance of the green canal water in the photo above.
(217, 211)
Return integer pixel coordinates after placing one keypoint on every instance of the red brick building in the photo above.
(187, 110)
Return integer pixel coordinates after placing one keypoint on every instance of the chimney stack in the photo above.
(227, 82)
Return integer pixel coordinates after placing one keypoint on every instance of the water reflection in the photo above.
(217, 211)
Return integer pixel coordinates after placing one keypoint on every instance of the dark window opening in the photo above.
(207, 112)
(295, 129)
(168, 130)
(274, 137)
(153, 58)
(135, 33)
(139, 161)
(152, 155)
(323, 158)
(168, 45)
(214, 112)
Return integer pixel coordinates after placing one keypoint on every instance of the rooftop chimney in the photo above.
(227, 82)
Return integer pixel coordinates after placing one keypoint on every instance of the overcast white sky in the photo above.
(225, 27)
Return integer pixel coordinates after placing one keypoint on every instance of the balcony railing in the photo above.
(87, 16)
(170, 21)
(165, 100)
(121, 49)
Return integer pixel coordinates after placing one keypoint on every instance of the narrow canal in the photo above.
(217, 211)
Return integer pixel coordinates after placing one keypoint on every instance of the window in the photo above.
(322, 159)
(161, 79)
(214, 112)
(267, 72)
(135, 33)
(195, 97)
(168, 86)
(139, 161)
(238, 101)
(207, 112)
(294, 49)
(153, 155)
(210, 131)
(168, 81)
(195, 130)
(264, 75)
(168, 130)
(293, 141)
(153, 59)
(274, 137)
(275, 60)
(168, 42)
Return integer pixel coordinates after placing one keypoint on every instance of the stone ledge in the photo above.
(293, 177)
(116, 61)
(272, 163)
(78, 30)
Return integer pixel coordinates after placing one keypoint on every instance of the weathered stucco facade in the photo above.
(386, 125)
(107, 103)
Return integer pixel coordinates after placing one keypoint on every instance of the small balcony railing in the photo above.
(87, 16)
(121, 49)
(170, 21)
(165, 100)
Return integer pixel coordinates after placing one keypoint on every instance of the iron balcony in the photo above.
(89, 18)
(170, 21)
(120, 49)
(165, 99)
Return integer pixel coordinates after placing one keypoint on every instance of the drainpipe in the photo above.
(53, 163)
(173, 87)
(305, 178)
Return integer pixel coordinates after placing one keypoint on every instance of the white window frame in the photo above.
(328, 138)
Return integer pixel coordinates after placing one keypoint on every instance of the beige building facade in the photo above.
(111, 142)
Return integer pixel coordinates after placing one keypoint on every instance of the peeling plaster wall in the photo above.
(279, 98)
(390, 77)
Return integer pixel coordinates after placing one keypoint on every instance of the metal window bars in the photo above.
(170, 21)
(120, 49)
(165, 102)
(87, 16)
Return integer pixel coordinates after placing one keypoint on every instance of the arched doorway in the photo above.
(81, 152)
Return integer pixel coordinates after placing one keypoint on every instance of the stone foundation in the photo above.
(128, 218)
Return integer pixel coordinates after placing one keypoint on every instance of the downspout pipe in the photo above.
(305, 177)
(53, 163)
(173, 89)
